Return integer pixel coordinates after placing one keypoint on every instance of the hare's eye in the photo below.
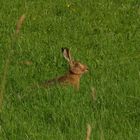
(76, 64)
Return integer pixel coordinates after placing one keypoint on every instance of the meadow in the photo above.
(105, 35)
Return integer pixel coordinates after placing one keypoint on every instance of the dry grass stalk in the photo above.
(7, 63)
(26, 62)
(19, 23)
(88, 134)
(93, 93)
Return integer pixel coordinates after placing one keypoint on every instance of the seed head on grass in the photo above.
(26, 62)
(93, 93)
(19, 23)
(88, 134)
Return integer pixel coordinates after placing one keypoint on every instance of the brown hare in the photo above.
(76, 70)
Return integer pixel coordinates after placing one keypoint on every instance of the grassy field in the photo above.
(105, 35)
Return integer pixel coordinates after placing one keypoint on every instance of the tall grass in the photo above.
(8, 59)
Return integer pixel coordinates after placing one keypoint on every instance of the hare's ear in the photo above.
(66, 54)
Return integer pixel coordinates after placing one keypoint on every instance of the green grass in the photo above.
(103, 34)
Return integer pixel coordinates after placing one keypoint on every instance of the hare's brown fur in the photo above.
(76, 70)
(69, 78)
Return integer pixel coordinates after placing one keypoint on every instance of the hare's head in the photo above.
(75, 66)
